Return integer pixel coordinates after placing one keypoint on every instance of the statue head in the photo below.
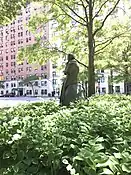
(70, 57)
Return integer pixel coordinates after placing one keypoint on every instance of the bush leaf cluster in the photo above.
(88, 138)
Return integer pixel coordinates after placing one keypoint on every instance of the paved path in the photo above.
(13, 101)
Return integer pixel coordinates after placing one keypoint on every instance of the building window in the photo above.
(44, 92)
(12, 57)
(29, 92)
(20, 27)
(12, 36)
(27, 40)
(13, 78)
(2, 92)
(1, 45)
(1, 72)
(12, 29)
(54, 81)
(44, 76)
(7, 71)
(36, 92)
(19, 70)
(1, 33)
(6, 57)
(102, 71)
(20, 20)
(28, 69)
(104, 90)
(1, 39)
(36, 83)
(102, 79)
(12, 49)
(43, 83)
(54, 73)
(54, 66)
(6, 44)
(1, 52)
(1, 65)
(117, 89)
(7, 92)
(6, 64)
(12, 71)
(13, 63)
(1, 58)
(13, 85)
(7, 85)
(7, 32)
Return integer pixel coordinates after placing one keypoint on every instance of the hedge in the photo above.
(89, 138)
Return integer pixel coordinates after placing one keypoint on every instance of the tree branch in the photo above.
(97, 51)
(98, 29)
(100, 9)
(110, 39)
(75, 12)
(70, 15)
(61, 51)
(81, 63)
(85, 12)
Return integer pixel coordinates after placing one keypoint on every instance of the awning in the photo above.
(17, 89)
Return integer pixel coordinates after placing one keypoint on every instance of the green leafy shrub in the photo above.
(88, 138)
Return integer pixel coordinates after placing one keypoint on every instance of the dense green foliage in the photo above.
(89, 138)
(9, 10)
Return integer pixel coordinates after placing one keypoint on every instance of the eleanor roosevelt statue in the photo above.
(69, 88)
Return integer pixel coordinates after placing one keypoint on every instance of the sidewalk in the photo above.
(14, 101)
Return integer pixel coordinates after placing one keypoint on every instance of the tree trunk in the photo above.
(111, 91)
(91, 70)
(86, 89)
(126, 80)
(32, 89)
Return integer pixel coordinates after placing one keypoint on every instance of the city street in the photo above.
(13, 101)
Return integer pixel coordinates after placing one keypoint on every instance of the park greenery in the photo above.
(10, 9)
(89, 137)
(91, 30)
(96, 32)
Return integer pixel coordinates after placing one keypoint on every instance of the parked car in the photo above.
(9, 95)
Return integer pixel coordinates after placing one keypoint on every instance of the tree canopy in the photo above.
(9, 9)
(81, 27)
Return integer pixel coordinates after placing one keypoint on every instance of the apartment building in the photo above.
(103, 83)
(12, 38)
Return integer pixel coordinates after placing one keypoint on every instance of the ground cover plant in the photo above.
(89, 138)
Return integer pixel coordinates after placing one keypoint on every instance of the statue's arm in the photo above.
(68, 69)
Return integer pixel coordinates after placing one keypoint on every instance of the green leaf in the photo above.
(118, 155)
(107, 171)
(65, 161)
(126, 168)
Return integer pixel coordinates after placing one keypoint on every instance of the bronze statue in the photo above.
(69, 88)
